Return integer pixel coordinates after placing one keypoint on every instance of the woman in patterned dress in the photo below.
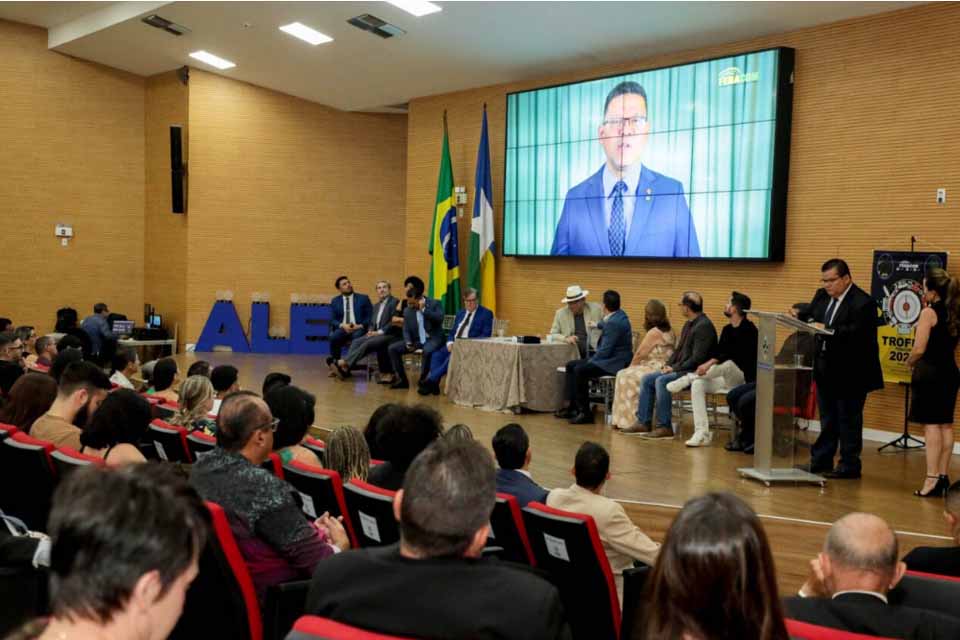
(653, 352)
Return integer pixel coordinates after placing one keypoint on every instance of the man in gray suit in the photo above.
(381, 335)
(422, 329)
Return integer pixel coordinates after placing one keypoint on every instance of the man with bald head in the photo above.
(849, 580)
(278, 543)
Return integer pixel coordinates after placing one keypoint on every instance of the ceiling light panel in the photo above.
(212, 60)
(416, 7)
(305, 33)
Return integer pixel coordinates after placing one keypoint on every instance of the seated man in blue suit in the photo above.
(473, 321)
(614, 352)
(351, 317)
(625, 209)
(511, 446)
(422, 329)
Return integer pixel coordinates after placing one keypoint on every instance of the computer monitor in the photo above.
(156, 321)
(123, 327)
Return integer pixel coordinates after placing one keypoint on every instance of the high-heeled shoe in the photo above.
(938, 489)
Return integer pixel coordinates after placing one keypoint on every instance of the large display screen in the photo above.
(680, 162)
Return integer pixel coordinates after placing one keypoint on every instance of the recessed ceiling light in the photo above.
(416, 7)
(212, 60)
(305, 33)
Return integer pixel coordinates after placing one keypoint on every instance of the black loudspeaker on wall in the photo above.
(178, 171)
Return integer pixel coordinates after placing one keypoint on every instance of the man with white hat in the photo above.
(575, 322)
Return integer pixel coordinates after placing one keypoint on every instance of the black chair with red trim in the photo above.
(508, 533)
(320, 490)
(66, 459)
(7, 430)
(806, 631)
(274, 465)
(371, 511)
(928, 591)
(318, 447)
(316, 628)
(170, 441)
(28, 478)
(222, 599)
(199, 442)
(567, 546)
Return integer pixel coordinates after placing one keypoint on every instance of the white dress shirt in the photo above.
(348, 315)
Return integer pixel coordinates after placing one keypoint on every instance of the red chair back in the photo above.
(927, 591)
(170, 441)
(199, 442)
(7, 430)
(66, 459)
(274, 465)
(318, 447)
(508, 532)
(567, 546)
(28, 477)
(807, 631)
(316, 628)
(320, 490)
(371, 512)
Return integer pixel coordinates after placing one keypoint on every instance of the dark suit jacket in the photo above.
(850, 365)
(481, 327)
(520, 487)
(661, 223)
(432, 323)
(944, 561)
(361, 310)
(448, 598)
(384, 325)
(615, 349)
(698, 340)
(861, 613)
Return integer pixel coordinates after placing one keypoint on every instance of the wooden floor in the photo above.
(653, 478)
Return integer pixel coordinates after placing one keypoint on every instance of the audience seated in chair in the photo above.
(6, 324)
(124, 365)
(165, 378)
(849, 580)
(116, 428)
(714, 577)
(199, 368)
(125, 548)
(473, 321)
(372, 431)
(30, 398)
(944, 561)
(196, 402)
(434, 584)
(294, 408)
(277, 542)
(403, 433)
(274, 379)
(623, 542)
(459, 431)
(83, 386)
(68, 323)
(225, 380)
(46, 348)
(347, 454)
(28, 338)
(65, 357)
(11, 361)
(511, 446)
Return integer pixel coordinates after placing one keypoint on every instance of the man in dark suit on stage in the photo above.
(422, 329)
(944, 561)
(625, 209)
(511, 446)
(381, 334)
(350, 319)
(846, 368)
(434, 583)
(473, 321)
(849, 581)
(614, 352)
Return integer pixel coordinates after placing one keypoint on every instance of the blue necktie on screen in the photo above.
(423, 332)
(617, 233)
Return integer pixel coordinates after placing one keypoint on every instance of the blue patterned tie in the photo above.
(618, 230)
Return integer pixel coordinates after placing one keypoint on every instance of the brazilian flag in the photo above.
(444, 244)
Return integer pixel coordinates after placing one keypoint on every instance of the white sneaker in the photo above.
(700, 439)
(681, 383)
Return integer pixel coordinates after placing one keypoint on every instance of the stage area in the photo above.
(652, 478)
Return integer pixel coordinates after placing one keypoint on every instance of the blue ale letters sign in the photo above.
(309, 330)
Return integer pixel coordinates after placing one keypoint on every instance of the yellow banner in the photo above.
(894, 351)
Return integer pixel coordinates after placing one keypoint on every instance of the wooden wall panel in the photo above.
(165, 245)
(872, 140)
(72, 152)
(285, 195)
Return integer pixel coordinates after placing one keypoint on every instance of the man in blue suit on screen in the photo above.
(625, 209)
(473, 321)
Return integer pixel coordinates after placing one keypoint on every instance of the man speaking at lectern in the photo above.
(846, 368)
(625, 209)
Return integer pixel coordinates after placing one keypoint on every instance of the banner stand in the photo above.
(903, 440)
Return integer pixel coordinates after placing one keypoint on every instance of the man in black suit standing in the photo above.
(849, 581)
(434, 583)
(846, 368)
